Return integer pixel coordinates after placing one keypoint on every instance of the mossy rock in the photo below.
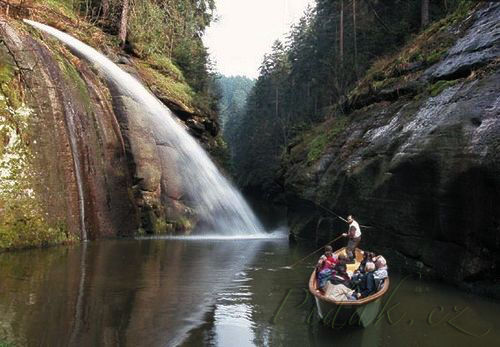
(436, 88)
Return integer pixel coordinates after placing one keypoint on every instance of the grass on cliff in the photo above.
(436, 88)
(318, 141)
(164, 85)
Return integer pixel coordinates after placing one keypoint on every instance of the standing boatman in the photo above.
(354, 234)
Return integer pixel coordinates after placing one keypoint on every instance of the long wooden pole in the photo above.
(307, 256)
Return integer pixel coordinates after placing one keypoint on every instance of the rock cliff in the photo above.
(96, 168)
(415, 155)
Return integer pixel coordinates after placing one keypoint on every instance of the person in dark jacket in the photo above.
(367, 256)
(367, 284)
(340, 275)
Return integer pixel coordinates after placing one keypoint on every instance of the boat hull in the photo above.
(362, 312)
(340, 315)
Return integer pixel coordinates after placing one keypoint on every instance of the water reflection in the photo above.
(210, 293)
(132, 293)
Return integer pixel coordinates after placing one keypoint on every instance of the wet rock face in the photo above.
(424, 171)
(479, 46)
(79, 150)
(101, 171)
(156, 181)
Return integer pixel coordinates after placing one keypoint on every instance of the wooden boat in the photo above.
(363, 311)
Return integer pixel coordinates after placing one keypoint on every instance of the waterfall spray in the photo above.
(217, 203)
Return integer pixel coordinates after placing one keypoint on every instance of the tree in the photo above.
(105, 8)
(425, 13)
(122, 35)
(354, 34)
(341, 34)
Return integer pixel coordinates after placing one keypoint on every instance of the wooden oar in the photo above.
(307, 256)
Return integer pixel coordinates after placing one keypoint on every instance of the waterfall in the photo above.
(78, 167)
(217, 203)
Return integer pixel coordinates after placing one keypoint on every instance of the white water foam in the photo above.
(218, 204)
(278, 234)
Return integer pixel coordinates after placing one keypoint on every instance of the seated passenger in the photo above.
(324, 268)
(367, 284)
(358, 275)
(381, 271)
(339, 292)
(367, 256)
(379, 261)
(340, 275)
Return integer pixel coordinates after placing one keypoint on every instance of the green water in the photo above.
(211, 293)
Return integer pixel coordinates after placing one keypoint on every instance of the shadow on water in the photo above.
(189, 292)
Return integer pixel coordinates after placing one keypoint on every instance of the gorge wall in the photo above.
(415, 155)
(95, 170)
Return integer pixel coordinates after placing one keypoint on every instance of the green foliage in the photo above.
(317, 147)
(5, 343)
(161, 226)
(147, 28)
(167, 86)
(164, 65)
(66, 7)
(184, 224)
(436, 88)
(435, 56)
(168, 33)
(318, 144)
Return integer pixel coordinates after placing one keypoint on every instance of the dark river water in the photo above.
(187, 292)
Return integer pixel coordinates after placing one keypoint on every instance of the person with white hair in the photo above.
(381, 270)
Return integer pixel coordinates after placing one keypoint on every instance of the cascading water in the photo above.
(218, 204)
(78, 173)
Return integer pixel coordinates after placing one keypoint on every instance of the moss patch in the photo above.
(74, 78)
(165, 66)
(9, 85)
(166, 86)
(22, 217)
(64, 7)
(319, 141)
(316, 147)
(436, 88)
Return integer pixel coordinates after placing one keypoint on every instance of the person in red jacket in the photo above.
(325, 266)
